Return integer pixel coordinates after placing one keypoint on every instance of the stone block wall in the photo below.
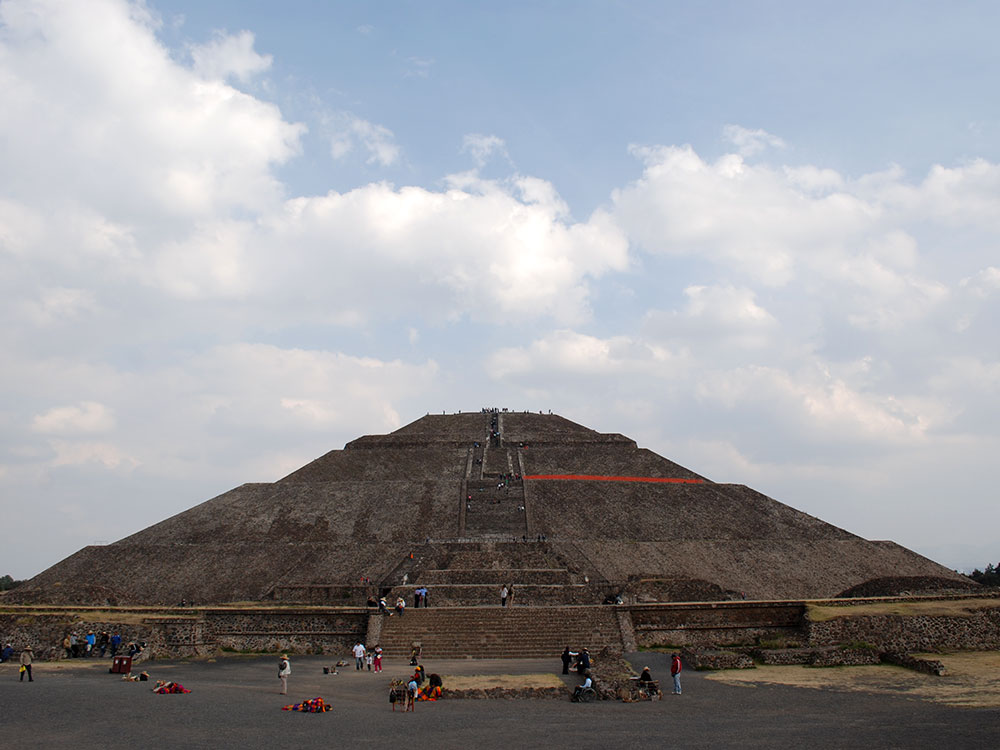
(716, 624)
(905, 633)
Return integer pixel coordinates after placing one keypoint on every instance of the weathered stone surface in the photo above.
(978, 630)
(927, 666)
(702, 658)
(429, 498)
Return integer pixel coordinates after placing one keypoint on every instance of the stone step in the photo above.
(493, 576)
(500, 632)
(488, 594)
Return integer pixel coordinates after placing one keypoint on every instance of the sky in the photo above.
(760, 238)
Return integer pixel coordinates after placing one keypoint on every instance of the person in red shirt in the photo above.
(675, 672)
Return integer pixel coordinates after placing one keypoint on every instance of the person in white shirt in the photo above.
(587, 683)
(284, 669)
(359, 656)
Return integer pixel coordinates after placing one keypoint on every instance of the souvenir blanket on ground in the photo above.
(429, 693)
(314, 706)
(173, 687)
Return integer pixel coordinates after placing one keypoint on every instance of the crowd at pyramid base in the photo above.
(465, 505)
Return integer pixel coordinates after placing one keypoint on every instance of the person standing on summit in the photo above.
(503, 595)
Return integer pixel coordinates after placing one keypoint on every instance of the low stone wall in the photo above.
(904, 633)
(703, 658)
(203, 632)
(736, 623)
(927, 666)
(816, 657)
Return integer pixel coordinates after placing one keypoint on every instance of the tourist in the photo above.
(675, 672)
(74, 644)
(68, 646)
(369, 660)
(359, 656)
(504, 591)
(284, 669)
(91, 642)
(411, 694)
(103, 642)
(400, 605)
(588, 683)
(567, 659)
(378, 659)
(583, 663)
(7, 654)
(116, 641)
(383, 608)
(26, 655)
(646, 676)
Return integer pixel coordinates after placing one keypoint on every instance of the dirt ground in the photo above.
(235, 703)
(971, 679)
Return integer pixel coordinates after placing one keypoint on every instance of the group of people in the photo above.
(583, 663)
(507, 594)
(92, 643)
(582, 658)
(363, 657)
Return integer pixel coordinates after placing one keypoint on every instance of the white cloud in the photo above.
(85, 452)
(84, 418)
(230, 55)
(750, 142)
(483, 147)
(377, 141)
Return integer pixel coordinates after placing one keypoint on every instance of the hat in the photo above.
(284, 656)
(28, 648)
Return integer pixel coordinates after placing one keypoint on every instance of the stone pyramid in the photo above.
(462, 503)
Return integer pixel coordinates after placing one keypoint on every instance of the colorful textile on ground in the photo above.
(173, 687)
(429, 693)
(315, 706)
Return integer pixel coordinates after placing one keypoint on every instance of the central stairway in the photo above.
(496, 632)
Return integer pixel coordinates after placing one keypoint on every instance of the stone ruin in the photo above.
(465, 503)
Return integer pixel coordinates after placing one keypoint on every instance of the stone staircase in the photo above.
(495, 512)
(498, 632)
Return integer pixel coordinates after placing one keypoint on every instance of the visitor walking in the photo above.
(504, 591)
(359, 656)
(675, 672)
(284, 669)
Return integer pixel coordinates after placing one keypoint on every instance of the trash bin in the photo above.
(121, 665)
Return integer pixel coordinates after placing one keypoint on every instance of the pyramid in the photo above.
(463, 503)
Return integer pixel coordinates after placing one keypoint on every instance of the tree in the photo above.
(7, 583)
(988, 577)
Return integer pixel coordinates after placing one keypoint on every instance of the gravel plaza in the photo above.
(235, 703)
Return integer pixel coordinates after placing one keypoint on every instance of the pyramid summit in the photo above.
(464, 503)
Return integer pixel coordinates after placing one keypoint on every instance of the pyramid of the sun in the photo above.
(580, 516)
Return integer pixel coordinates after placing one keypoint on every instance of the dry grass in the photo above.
(971, 679)
(485, 681)
(946, 607)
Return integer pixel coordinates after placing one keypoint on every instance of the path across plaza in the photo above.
(235, 703)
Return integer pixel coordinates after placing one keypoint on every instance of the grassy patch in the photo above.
(969, 679)
(946, 608)
(485, 681)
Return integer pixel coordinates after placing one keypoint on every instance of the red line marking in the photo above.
(597, 478)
